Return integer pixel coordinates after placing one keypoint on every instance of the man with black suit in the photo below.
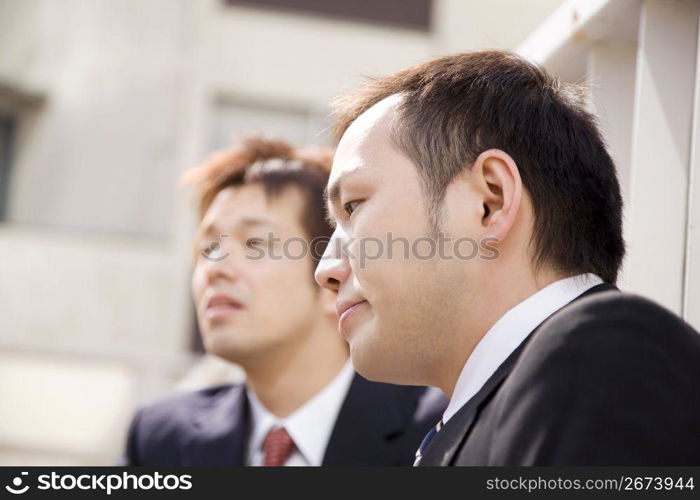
(262, 229)
(496, 177)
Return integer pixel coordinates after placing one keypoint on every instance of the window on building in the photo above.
(8, 127)
(411, 14)
(236, 118)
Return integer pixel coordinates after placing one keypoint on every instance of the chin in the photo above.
(220, 344)
(376, 363)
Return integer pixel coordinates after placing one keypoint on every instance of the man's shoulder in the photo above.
(383, 424)
(610, 343)
(428, 404)
(417, 403)
(159, 430)
(608, 379)
(614, 324)
(431, 405)
(174, 413)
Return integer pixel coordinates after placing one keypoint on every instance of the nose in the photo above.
(223, 263)
(215, 271)
(334, 268)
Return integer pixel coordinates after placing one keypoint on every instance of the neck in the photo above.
(288, 379)
(493, 301)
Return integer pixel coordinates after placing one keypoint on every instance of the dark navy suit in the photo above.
(378, 424)
(609, 379)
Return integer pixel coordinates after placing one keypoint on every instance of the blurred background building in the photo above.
(104, 103)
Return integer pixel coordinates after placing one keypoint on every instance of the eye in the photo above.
(350, 206)
(209, 249)
(253, 242)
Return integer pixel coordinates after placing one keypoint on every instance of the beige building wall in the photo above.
(640, 60)
(115, 99)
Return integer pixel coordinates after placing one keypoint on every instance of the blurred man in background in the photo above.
(262, 228)
(545, 360)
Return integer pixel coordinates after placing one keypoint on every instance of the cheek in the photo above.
(386, 251)
(401, 215)
(197, 283)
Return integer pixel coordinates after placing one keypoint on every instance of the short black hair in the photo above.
(454, 108)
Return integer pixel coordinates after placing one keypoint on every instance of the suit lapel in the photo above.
(370, 414)
(219, 430)
(447, 442)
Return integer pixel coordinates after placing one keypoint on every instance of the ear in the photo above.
(502, 189)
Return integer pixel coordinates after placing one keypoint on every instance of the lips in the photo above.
(221, 305)
(344, 305)
(345, 310)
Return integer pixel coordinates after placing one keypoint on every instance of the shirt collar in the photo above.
(510, 331)
(311, 425)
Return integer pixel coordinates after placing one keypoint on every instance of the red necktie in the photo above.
(277, 447)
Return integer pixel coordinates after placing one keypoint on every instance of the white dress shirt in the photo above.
(509, 332)
(310, 426)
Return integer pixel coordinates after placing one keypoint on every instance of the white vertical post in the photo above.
(658, 192)
(611, 76)
(691, 302)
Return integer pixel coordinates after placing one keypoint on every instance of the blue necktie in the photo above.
(426, 441)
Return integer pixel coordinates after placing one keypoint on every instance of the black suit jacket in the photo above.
(610, 379)
(378, 424)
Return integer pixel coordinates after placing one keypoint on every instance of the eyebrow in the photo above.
(331, 194)
(212, 227)
(330, 197)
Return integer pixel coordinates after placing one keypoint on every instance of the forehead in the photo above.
(369, 136)
(250, 202)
